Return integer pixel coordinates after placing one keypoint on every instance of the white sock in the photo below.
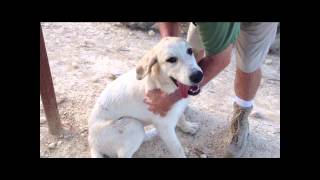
(243, 103)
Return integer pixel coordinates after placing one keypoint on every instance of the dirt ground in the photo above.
(85, 57)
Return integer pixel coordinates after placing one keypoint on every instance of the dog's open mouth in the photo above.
(185, 89)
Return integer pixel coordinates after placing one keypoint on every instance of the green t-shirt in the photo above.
(216, 36)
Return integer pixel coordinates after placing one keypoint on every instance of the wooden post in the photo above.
(47, 91)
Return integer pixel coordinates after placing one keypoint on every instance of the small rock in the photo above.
(275, 46)
(62, 101)
(138, 25)
(200, 153)
(186, 150)
(87, 44)
(151, 33)
(112, 76)
(268, 61)
(74, 65)
(203, 156)
(52, 145)
(84, 130)
(118, 24)
(277, 130)
(130, 33)
(95, 79)
(122, 49)
(67, 136)
(257, 115)
(61, 136)
(43, 155)
(59, 143)
(155, 26)
(43, 120)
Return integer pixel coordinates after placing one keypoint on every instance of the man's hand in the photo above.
(160, 102)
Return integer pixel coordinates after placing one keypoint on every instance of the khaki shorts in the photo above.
(252, 45)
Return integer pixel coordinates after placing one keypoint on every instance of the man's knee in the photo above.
(247, 68)
(248, 64)
(252, 72)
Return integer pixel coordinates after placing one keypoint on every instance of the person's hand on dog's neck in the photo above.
(160, 102)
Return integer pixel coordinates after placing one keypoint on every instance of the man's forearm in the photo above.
(169, 29)
(213, 65)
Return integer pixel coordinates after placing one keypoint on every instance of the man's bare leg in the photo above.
(246, 84)
(252, 47)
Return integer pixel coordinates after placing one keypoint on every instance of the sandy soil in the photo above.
(85, 57)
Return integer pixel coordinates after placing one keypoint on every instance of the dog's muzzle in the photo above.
(186, 90)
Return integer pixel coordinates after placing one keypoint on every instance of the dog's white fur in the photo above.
(116, 125)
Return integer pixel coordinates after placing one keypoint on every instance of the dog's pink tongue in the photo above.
(183, 90)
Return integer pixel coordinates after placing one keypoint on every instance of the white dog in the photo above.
(116, 125)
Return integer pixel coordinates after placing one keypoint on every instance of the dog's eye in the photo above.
(172, 60)
(189, 51)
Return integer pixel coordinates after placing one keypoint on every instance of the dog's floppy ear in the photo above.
(145, 65)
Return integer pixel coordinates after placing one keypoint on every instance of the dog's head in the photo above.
(173, 57)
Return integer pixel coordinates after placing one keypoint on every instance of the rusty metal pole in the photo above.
(48, 96)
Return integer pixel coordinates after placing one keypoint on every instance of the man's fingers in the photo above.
(154, 93)
(147, 101)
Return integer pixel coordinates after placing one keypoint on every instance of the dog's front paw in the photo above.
(190, 127)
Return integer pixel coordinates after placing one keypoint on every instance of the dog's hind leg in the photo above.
(130, 136)
(116, 138)
(126, 153)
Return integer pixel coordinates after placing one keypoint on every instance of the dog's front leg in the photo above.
(187, 126)
(168, 135)
(95, 154)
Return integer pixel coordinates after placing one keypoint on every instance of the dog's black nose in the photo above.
(196, 77)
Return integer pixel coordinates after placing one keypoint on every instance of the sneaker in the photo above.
(239, 131)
